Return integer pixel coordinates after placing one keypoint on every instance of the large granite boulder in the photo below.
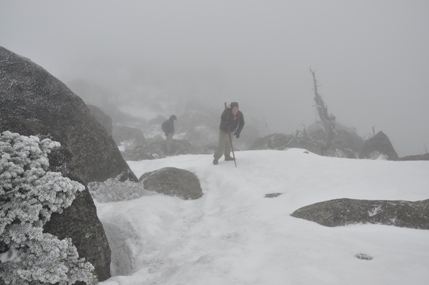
(376, 146)
(173, 182)
(81, 223)
(341, 212)
(33, 102)
(101, 117)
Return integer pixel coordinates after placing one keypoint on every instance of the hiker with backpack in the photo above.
(168, 128)
(231, 121)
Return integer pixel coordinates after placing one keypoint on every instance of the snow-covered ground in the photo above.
(234, 235)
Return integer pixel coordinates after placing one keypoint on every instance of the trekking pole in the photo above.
(229, 133)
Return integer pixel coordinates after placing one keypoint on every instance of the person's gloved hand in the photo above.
(237, 134)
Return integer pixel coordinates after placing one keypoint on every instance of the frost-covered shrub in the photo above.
(29, 194)
(113, 190)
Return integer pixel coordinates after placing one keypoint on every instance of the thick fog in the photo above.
(371, 57)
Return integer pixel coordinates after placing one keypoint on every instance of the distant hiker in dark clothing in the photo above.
(168, 128)
(231, 121)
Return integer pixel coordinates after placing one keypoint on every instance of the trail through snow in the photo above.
(235, 235)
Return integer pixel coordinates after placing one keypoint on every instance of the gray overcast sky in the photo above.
(371, 56)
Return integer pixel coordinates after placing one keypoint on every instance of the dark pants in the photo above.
(169, 141)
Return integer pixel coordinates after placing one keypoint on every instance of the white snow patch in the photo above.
(234, 235)
(374, 211)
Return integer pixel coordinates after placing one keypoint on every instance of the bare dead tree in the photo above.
(266, 125)
(304, 135)
(327, 121)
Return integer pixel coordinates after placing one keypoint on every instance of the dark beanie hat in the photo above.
(233, 104)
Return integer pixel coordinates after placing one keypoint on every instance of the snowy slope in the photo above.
(234, 235)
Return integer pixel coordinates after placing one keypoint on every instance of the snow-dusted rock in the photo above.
(377, 145)
(174, 182)
(341, 212)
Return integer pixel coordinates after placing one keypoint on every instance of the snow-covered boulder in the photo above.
(173, 182)
(341, 212)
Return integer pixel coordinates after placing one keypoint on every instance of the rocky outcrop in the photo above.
(124, 134)
(376, 146)
(345, 144)
(101, 117)
(280, 141)
(33, 102)
(157, 121)
(415, 157)
(353, 141)
(104, 98)
(341, 212)
(341, 146)
(273, 141)
(173, 182)
(157, 148)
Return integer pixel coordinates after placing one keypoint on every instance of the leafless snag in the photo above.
(327, 122)
(266, 125)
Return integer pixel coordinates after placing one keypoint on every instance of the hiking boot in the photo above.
(228, 158)
(215, 161)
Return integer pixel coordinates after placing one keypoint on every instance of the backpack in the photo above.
(164, 126)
